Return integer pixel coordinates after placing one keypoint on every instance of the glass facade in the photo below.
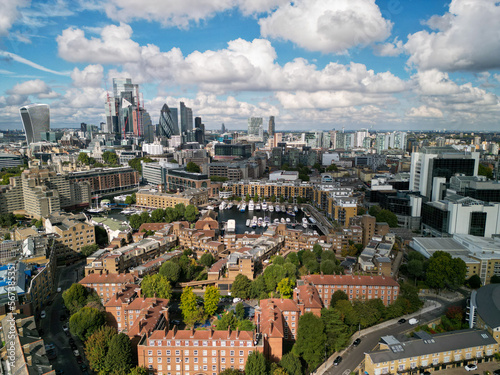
(435, 218)
(168, 127)
(477, 223)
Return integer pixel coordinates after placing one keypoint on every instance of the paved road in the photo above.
(52, 326)
(352, 357)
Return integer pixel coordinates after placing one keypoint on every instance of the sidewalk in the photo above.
(447, 295)
(429, 306)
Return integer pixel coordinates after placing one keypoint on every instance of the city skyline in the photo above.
(380, 65)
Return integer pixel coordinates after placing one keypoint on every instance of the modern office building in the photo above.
(432, 167)
(272, 127)
(168, 126)
(186, 118)
(234, 151)
(255, 126)
(36, 119)
(9, 160)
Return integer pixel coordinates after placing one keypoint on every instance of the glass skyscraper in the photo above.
(167, 126)
(36, 119)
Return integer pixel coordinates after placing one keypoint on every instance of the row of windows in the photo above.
(159, 352)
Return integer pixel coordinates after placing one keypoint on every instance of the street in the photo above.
(52, 326)
(353, 356)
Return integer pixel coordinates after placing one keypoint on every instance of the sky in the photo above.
(313, 64)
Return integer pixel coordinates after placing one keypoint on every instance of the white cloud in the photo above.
(90, 76)
(114, 47)
(329, 26)
(394, 48)
(466, 39)
(424, 111)
(10, 13)
(36, 86)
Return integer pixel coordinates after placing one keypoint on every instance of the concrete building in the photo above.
(35, 119)
(154, 199)
(484, 310)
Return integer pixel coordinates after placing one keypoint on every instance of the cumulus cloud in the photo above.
(35, 87)
(394, 48)
(426, 112)
(466, 39)
(90, 76)
(328, 26)
(10, 13)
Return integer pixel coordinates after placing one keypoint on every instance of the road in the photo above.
(52, 326)
(352, 357)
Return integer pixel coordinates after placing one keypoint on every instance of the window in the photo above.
(177, 352)
(158, 352)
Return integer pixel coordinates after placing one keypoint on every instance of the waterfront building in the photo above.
(155, 199)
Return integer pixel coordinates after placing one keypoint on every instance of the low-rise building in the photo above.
(484, 310)
(152, 198)
(107, 285)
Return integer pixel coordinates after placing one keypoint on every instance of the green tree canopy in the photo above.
(171, 270)
(207, 259)
(158, 215)
(347, 312)
(445, 271)
(386, 216)
(89, 249)
(241, 287)
(96, 347)
(119, 357)
(212, 298)
(230, 371)
(85, 322)
(191, 213)
(189, 306)
(110, 157)
(157, 286)
(138, 371)
(75, 297)
(485, 171)
(311, 338)
(337, 333)
(240, 311)
(180, 210)
(293, 258)
(278, 259)
(256, 364)
(272, 275)
(285, 288)
(193, 167)
(291, 363)
(226, 320)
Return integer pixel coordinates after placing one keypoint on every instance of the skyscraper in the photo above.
(167, 127)
(36, 119)
(255, 126)
(271, 128)
(186, 118)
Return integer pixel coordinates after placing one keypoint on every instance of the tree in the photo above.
(317, 250)
(485, 171)
(347, 312)
(212, 298)
(369, 312)
(89, 250)
(75, 297)
(386, 216)
(171, 270)
(170, 214)
(246, 325)
(290, 271)
(189, 306)
(119, 357)
(207, 259)
(241, 287)
(85, 322)
(83, 158)
(135, 221)
(110, 157)
(328, 267)
(101, 236)
(495, 279)
(337, 333)
(445, 271)
(256, 364)
(279, 371)
(240, 311)
(374, 210)
(474, 282)
(415, 268)
(191, 213)
(230, 371)
(138, 371)
(278, 259)
(156, 286)
(226, 320)
(293, 258)
(137, 163)
(158, 215)
(291, 363)
(311, 338)
(312, 266)
(193, 167)
(272, 275)
(96, 347)
(6, 237)
(257, 287)
(180, 209)
(285, 288)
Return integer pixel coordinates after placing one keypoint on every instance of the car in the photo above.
(62, 318)
(73, 346)
(76, 353)
(59, 290)
(402, 321)
(356, 342)
(427, 373)
(413, 321)
(43, 314)
(59, 372)
(79, 360)
(64, 327)
(49, 346)
(41, 332)
(471, 367)
(337, 360)
(236, 300)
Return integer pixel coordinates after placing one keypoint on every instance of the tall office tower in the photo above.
(255, 126)
(149, 133)
(272, 127)
(223, 129)
(124, 111)
(432, 167)
(360, 136)
(83, 127)
(186, 118)
(333, 138)
(174, 113)
(197, 122)
(167, 127)
(381, 142)
(35, 119)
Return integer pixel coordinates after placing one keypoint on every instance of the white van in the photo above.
(413, 321)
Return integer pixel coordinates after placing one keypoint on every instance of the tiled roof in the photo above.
(350, 280)
(308, 296)
(217, 266)
(116, 278)
(128, 292)
(201, 335)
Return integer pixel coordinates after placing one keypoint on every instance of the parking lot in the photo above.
(482, 368)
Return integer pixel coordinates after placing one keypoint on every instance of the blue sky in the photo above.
(313, 64)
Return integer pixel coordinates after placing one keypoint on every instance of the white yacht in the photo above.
(264, 206)
(222, 206)
(282, 221)
(248, 222)
(276, 221)
(257, 207)
(277, 208)
(270, 208)
(260, 221)
(251, 205)
(254, 222)
(288, 221)
(304, 222)
(243, 207)
(230, 205)
(296, 209)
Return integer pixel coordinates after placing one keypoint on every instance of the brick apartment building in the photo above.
(191, 352)
(107, 285)
(356, 287)
(107, 180)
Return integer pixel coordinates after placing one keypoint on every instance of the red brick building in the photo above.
(107, 285)
(356, 287)
(191, 352)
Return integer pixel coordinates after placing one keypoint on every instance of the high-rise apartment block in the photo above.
(255, 126)
(272, 127)
(36, 119)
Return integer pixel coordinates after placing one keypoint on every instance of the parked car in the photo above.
(59, 290)
(471, 367)
(73, 346)
(496, 372)
(236, 300)
(76, 353)
(43, 314)
(65, 327)
(49, 302)
(337, 361)
(79, 360)
(402, 321)
(413, 321)
(356, 342)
